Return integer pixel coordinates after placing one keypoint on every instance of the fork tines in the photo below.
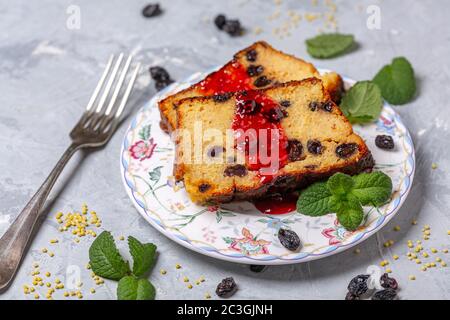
(110, 87)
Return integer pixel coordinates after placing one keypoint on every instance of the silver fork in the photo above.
(94, 129)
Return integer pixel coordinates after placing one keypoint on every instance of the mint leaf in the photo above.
(329, 45)
(340, 184)
(313, 201)
(143, 255)
(396, 81)
(362, 103)
(349, 213)
(105, 259)
(372, 188)
(131, 288)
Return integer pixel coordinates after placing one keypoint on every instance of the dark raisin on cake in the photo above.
(345, 150)
(251, 55)
(314, 146)
(237, 170)
(215, 151)
(222, 97)
(276, 114)
(262, 82)
(327, 106)
(285, 103)
(314, 105)
(204, 187)
(254, 71)
(295, 150)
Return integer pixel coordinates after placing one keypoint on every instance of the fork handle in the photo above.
(14, 242)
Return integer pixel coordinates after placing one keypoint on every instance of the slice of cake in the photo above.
(260, 142)
(255, 67)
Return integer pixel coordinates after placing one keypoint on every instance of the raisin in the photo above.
(251, 55)
(222, 97)
(220, 21)
(275, 114)
(204, 187)
(314, 105)
(285, 103)
(232, 27)
(215, 151)
(351, 296)
(257, 268)
(327, 106)
(387, 294)
(161, 77)
(254, 71)
(159, 74)
(314, 146)
(345, 150)
(358, 285)
(295, 150)
(289, 239)
(236, 170)
(384, 142)
(151, 10)
(388, 283)
(248, 107)
(262, 82)
(159, 85)
(226, 288)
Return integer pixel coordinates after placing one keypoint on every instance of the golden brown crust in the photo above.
(333, 82)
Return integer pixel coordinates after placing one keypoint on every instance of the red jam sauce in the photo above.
(258, 133)
(231, 78)
(278, 205)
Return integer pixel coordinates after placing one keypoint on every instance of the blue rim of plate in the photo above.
(242, 258)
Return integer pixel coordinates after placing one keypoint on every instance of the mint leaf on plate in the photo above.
(105, 259)
(340, 184)
(131, 288)
(362, 103)
(143, 255)
(372, 188)
(396, 81)
(329, 45)
(313, 201)
(349, 213)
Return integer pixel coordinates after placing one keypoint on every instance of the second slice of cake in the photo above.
(260, 142)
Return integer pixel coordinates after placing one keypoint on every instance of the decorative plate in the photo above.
(238, 232)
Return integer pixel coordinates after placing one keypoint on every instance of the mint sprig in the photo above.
(105, 259)
(329, 45)
(397, 81)
(106, 262)
(362, 103)
(345, 195)
(132, 288)
(143, 255)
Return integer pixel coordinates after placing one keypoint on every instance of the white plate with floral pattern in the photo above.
(238, 232)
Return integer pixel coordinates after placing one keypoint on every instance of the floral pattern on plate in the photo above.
(237, 231)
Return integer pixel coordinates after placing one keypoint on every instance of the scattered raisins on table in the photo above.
(358, 285)
(161, 77)
(289, 239)
(388, 283)
(220, 20)
(384, 142)
(151, 10)
(351, 296)
(226, 288)
(386, 294)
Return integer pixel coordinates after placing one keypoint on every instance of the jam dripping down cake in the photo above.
(304, 135)
(256, 67)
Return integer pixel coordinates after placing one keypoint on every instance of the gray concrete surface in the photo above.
(47, 73)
